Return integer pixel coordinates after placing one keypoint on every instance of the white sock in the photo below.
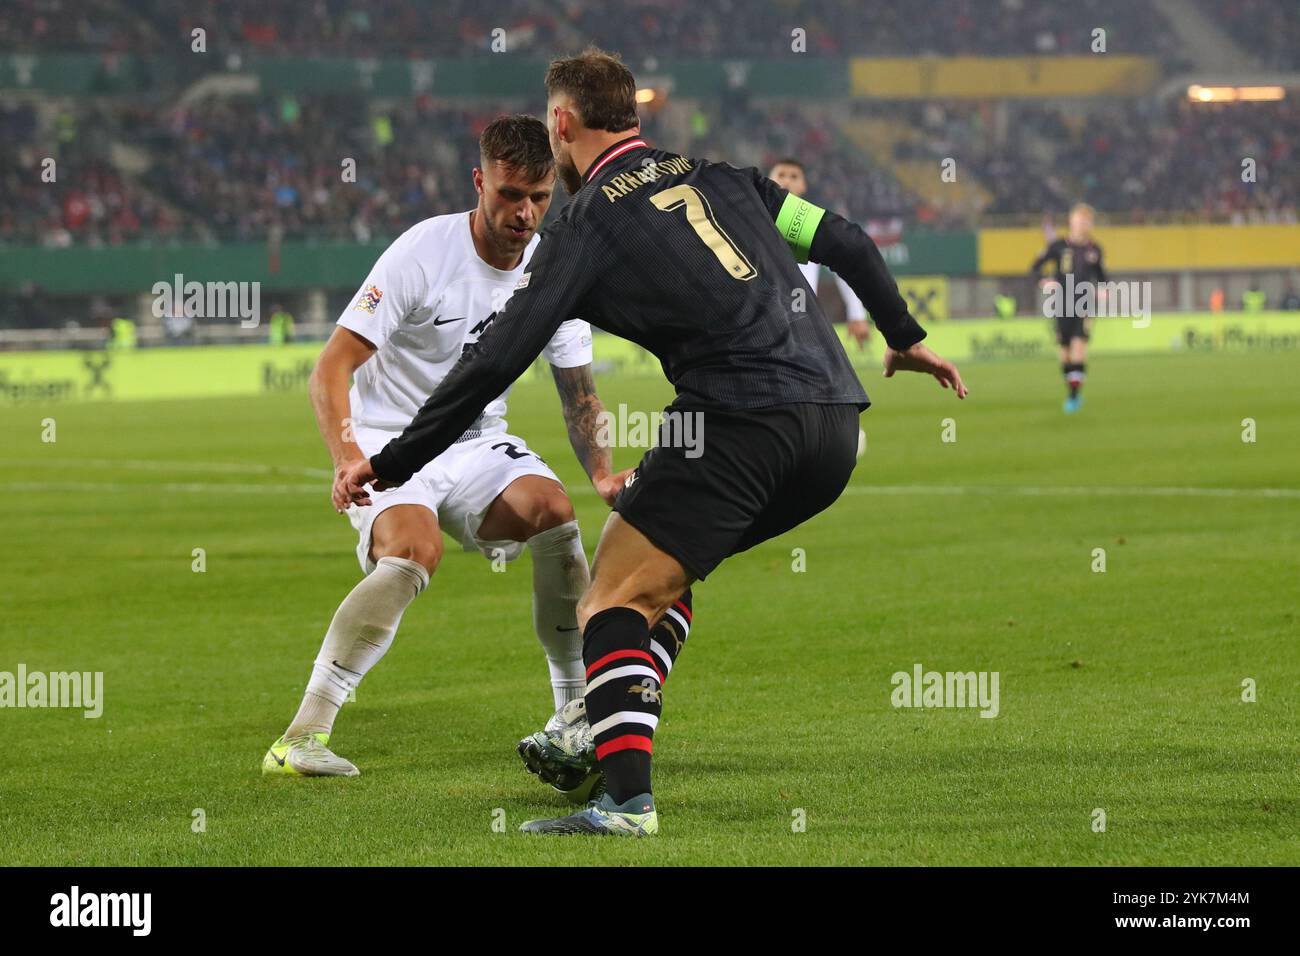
(360, 634)
(560, 576)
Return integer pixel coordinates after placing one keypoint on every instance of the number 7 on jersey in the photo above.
(700, 217)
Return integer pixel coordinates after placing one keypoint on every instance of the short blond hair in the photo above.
(1083, 207)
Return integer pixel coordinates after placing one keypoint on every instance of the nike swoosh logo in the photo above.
(449, 321)
(342, 668)
(558, 628)
(279, 760)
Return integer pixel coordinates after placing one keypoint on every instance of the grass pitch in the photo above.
(1119, 690)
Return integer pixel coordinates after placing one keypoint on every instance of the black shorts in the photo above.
(754, 475)
(1071, 327)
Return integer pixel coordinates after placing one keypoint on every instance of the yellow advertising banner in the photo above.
(976, 77)
(1153, 248)
(926, 297)
(51, 378)
(1187, 333)
(138, 374)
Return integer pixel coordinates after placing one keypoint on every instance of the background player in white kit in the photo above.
(428, 298)
(789, 174)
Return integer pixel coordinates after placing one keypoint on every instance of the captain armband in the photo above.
(797, 222)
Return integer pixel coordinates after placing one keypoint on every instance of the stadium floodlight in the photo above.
(1234, 94)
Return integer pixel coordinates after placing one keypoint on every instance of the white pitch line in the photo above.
(945, 491)
(145, 464)
(253, 468)
(197, 488)
(1063, 491)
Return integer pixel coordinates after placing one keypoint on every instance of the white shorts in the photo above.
(458, 486)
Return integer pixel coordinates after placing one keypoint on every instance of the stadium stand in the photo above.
(452, 28)
(233, 168)
(157, 147)
(1270, 32)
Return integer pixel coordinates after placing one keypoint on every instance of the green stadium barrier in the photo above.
(919, 252)
(86, 73)
(331, 265)
(134, 269)
(504, 76)
(45, 378)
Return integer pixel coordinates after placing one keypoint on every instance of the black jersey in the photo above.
(1082, 260)
(692, 260)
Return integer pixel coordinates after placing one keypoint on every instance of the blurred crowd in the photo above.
(60, 186)
(839, 176)
(1267, 30)
(321, 167)
(343, 167)
(1218, 161)
(164, 167)
(1136, 160)
(325, 167)
(636, 28)
(72, 26)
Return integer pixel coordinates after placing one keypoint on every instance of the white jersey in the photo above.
(853, 308)
(426, 299)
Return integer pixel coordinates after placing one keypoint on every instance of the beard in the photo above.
(503, 240)
(568, 174)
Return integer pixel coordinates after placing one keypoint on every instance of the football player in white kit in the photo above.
(427, 300)
(789, 174)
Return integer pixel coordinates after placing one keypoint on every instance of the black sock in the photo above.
(1074, 376)
(623, 678)
(668, 637)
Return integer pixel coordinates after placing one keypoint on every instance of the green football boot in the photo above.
(306, 756)
(632, 818)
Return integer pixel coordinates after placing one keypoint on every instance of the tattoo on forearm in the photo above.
(582, 410)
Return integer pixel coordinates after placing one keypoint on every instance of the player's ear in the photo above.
(478, 180)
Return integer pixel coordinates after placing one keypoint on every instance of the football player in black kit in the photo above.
(692, 260)
(1077, 256)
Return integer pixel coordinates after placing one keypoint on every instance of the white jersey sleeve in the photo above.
(570, 346)
(853, 307)
(396, 284)
(811, 273)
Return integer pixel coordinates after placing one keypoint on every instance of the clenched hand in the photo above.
(350, 479)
